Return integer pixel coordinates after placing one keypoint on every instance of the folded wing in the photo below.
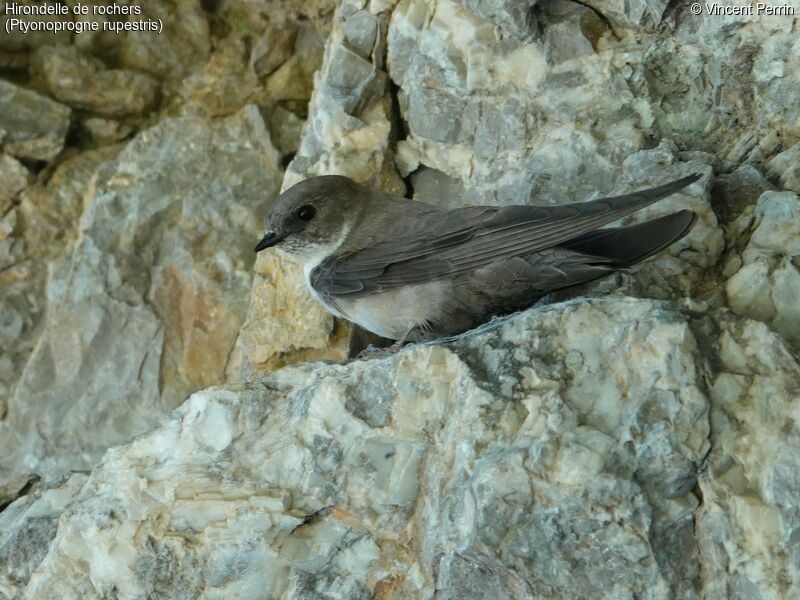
(466, 239)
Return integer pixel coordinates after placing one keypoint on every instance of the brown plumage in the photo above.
(408, 270)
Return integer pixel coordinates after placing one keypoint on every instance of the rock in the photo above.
(735, 193)
(748, 517)
(31, 125)
(181, 49)
(786, 168)
(437, 116)
(352, 83)
(361, 32)
(292, 83)
(27, 527)
(501, 463)
(13, 179)
(555, 118)
(83, 82)
(287, 323)
(273, 49)
(336, 141)
(224, 85)
(105, 131)
(147, 306)
(514, 16)
(564, 20)
(285, 129)
(437, 188)
(41, 227)
(641, 447)
(630, 14)
(767, 285)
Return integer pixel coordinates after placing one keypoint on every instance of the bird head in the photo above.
(311, 217)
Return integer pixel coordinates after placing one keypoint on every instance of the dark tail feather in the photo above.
(634, 243)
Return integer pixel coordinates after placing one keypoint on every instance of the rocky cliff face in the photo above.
(639, 439)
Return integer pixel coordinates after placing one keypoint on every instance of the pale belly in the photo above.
(392, 314)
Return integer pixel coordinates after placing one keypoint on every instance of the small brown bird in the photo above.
(410, 271)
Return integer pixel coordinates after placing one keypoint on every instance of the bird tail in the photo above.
(634, 243)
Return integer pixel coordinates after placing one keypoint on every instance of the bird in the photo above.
(409, 271)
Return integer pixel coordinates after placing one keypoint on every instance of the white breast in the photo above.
(315, 256)
(392, 314)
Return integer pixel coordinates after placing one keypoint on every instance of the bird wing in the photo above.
(465, 239)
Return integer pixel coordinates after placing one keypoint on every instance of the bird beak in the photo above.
(269, 240)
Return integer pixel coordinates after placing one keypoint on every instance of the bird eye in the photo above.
(306, 212)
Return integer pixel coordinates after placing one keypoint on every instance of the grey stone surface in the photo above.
(31, 125)
(746, 525)
(147, 306)
(515, 16)
(352, 82)
(436, 115)
(38, 228)
(767, 285)
(103, 131)
(82, 82)
(185, 47)
(27, 527)
(438, 188)
(786, 168)
(630, 13)
(361, 32)
(588, 99)
(13, 179)
(505, 463)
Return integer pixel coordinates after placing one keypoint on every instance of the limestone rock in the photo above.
(786, 167)
(13, 179)
(147, 306)
(105, 131)
(736, 193)
(361, 32)
(31, 125)
(39, 228)
(746, 524)
(556, 117)
(286, 323)
(183, 46)
(516, 17)
(83, 82)
(285, 128)
(502, 463)
(224, 84)
(26, 529)
(630, 14)
(292, 82)
(437, 188)
(767, 285)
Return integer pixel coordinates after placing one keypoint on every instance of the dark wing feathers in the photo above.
(633, 243)
(466, 239)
